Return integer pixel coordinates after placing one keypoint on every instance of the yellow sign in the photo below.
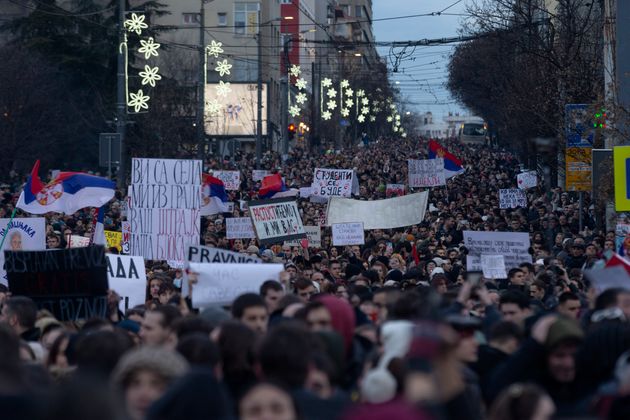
(579, 168)
(113, 239)
(621, 159)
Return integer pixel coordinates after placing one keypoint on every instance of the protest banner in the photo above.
(113, 239)
(332, 182)
(493, 266)
(128, 278)
(314, 236)
(165, 207)
(27, 234)
(513, 246)
(608, 278)
(76, 241)
(259, 174)
(348, 234)
(126, 236)
(527, 180)
(394, 190)
(220, 284)
(426, 173)
(70, 283)
(512, 198)
(207, 254)
(276, 220)
(231, 179)
(239, 228)
(379, 214)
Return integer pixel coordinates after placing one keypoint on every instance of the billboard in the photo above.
(238, 113)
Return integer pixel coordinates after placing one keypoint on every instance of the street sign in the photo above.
(578, 125)
(108, 149)
(621, 157)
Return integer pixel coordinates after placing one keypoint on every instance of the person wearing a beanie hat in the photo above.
(143, 374)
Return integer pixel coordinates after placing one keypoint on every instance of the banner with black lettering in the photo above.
(128, 278)
(333, 182)
(276, 220)
(207, 254)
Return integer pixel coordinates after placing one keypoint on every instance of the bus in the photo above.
(473, 133)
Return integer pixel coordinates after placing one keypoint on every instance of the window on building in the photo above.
(246, 18)
(286, 1)
(222, 19)
(358, 11)
(190, 18)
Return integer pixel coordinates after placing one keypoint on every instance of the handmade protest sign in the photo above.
(512, 198)
(231, 179)
(426, 173)
(513, 246)
(70, 283)
(276, 220)
(207, 254)
(27, 233)
(77, 241)
(220, 284)
(113, 239)
(493, 266)
(379, 214)
(616, 277)
(239, 228)
(527, 180)
(394, 190)
(259, 174)
(164, 209)
(127, 277)
(332, 182)
(314, 236)
(348, 234)
(126, 236)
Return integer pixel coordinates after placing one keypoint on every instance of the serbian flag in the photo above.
(616, 260)
(452, 165)
(272, 186)
(67, 193)
(98, 234)
(213, 195)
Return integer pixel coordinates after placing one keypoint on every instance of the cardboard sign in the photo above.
(126, 236)
(27, 233)
(222, 283)
(207, 254)
(70, 283)
(113, 239)
(426, 173)
(165, 207)
(276, 220)
(394, 190)
(348, 234)
(390, 213)
(259, 174)
(527, 180)
(128, 278)
(231, 179)
(239, 228)
(493, 266)
(512, 198)
(77, 241)
(513, 246)
(314, 236)
(332, 182)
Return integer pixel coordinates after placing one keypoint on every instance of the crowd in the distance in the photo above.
(392, 329)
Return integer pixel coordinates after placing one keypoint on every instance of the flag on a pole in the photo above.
(213, 195)
(272, 186)
(452, 164)
(98, 235)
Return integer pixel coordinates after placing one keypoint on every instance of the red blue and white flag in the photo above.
(452, 165)
(67, 193)
(213, 196)
(272, 186)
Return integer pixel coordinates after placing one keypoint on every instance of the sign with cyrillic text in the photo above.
(27, 233)
(526, 180)
(512, 198)
(239, 228)
(493, 266)
(348, 234)
(314, 236)
(514, 246)
(231, 179)
(276, 220)
(426, 173)
(332, 182)
(128, 278)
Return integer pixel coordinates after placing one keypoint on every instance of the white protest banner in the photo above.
(332, 182)
(128, 278)
(314, 236)
(165, 207)
(220, 284)
(28, 234)
(348, 234)
(306, 192)
(426, 173)
(259, 174)
(207, 254)
(76, 241)
(276, 220)
(493, 266)
(615, 277)
(512, 198)
(231, 179)
(527, 180)
(126, 236)
(239, 228)
(394, 190)
(390, 213)
(514, 246)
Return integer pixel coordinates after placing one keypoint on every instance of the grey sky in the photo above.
(422, 74)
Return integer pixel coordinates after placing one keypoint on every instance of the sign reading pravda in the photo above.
(276, 220)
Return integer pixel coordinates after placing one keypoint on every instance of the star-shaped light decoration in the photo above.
(331, 93)
(372, 118)
(397, 117)
(345, 112)
(149, 48)
(136, 24)
(360, 93)
(214, 49)
(377, 109)
(150, 75)
(390, 118)
(223, 68)
(300, 83)
(326, 82)
(294, 111)
(361, 118)
(365, 101)
(344, 83)
(326, 115)
(300, 98)
(295, 70)
(331, 104)
(138, 101)
(397, 123)
(365, 110)
(376, 102)
(213, 107)
(223, 88)
(349, 92)
(392, 106)
(395, 129)
(403, 135)
(349, 103)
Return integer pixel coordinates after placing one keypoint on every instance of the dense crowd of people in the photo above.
(394, 328)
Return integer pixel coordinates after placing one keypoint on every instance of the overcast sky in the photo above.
(423, 71)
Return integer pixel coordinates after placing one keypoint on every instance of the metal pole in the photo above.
(581, 194)
(259, 117)
(121, 98)
(285, 97)
(109, 154)
(311, 133)
(201, 84)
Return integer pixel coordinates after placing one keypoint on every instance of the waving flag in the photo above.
(452, 165)
(67, 193)
(213, 195)
(98, 235)
(273, 186)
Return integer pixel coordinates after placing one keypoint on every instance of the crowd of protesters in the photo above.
(395, 328)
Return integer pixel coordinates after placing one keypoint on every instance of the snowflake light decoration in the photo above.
(331, 93)
(390, 118)
(397, 117)
(349, 103)
(294, 111)
(331, 104)
(300, 98)
(223, 88)
(138, 101)
(136, 23)
(365, 101)
(395, 129)
(149, 48)
(397, 123)
(295, 70)
(360, 93)
(150, 75)
(403, 134)
(326, 82)
(214, 49)
(392, 106)
(213, 107)
(365, 110)
(300, 83)
(349, 92)
(375, 103)
(326, 115)
(372, 118)
(361, 118)
(345, 112)
(344, 84)
(223, 68)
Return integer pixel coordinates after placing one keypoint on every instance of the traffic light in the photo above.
(599, 120)
(291, 130)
